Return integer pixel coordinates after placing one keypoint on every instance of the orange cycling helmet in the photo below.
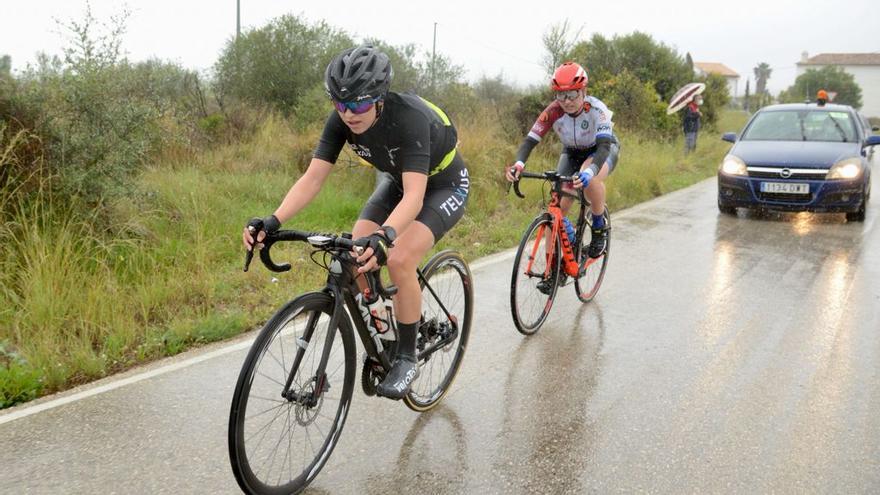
(822, 95)
(569, 76)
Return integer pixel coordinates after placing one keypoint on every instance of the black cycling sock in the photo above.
(406, 339)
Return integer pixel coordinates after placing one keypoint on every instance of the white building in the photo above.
(705, 68)
(864, 67)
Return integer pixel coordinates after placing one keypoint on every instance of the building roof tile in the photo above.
(716, 68)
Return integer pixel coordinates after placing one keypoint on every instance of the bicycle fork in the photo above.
(305, 397)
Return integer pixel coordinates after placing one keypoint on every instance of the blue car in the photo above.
(799, 157)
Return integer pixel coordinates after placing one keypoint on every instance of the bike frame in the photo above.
(570, 260)
(341, 286)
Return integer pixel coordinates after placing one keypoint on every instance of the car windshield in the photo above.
(801, 125)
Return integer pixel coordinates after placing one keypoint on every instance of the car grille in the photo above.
(796, 173)
(785, 198)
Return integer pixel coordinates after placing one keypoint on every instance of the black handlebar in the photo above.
(325, 242)
(549, 175)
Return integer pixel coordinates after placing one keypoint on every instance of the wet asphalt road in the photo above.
(722, 354)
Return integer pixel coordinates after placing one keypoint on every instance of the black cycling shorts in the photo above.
(445, 199)
(571, 159)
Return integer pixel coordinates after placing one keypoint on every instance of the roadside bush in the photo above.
(636, 105)
(97, 116)
(278, 63)
(648, 60)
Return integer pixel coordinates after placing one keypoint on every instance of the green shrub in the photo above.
(638, 53)
(278, 63)
(636, 105)
(19, 382)
(715, 98)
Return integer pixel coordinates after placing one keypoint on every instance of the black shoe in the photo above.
(546, 284)
(598, 241)
(403, 373)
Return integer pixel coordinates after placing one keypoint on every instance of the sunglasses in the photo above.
(567, 95)
(356, 107)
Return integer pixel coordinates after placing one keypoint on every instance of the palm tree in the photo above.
(762, 74)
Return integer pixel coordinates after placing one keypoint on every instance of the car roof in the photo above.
(807, 106)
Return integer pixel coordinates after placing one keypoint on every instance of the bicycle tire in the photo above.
(591, 273)
(255, 388)
(528, 305)
(450, 278)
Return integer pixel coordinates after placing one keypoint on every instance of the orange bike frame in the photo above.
(569, 263)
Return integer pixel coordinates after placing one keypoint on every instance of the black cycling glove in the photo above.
(268, 225)
(380, 244)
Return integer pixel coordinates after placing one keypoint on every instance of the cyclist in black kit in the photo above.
(422, 195)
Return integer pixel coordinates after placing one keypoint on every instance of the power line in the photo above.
(490, 47)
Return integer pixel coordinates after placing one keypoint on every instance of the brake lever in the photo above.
(249, 255)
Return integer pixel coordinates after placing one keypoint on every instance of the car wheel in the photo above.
(727, 210)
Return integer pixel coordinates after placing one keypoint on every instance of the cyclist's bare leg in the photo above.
(595, 192)
(409, 249)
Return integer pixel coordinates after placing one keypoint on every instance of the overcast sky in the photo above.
(486, 37)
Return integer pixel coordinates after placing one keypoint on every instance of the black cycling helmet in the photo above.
(359, 73)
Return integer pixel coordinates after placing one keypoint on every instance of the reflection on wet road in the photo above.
(723, 354)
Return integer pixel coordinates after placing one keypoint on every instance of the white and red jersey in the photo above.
(579, 131)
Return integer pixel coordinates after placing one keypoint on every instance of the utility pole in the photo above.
(237, 19)
(433, 57)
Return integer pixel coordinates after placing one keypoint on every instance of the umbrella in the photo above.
(683, 96)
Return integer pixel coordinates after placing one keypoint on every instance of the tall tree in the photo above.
(278, 63)
(762, 74)
(689, 60)
(5, 65)
(746, 100)
(829, 78)
(649, 60)
(558, 41)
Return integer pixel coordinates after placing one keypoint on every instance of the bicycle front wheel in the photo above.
(279, 441)
(535, 276)
(447, 311)
(591, 271)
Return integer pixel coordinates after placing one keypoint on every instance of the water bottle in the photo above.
(569, 229)
(385, 315)
(366, 311)
(378, 317)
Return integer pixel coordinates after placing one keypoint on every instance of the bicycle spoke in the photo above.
(252, 416)
(265, 430)
(271, 379)
(268, 399)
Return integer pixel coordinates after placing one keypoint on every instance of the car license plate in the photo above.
(785, 187)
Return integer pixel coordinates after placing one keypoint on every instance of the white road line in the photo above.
(25, 410)
(29, 410)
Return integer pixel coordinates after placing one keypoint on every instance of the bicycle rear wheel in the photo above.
(443, 337)
(591, 271)
(278, 444)
(529, 305)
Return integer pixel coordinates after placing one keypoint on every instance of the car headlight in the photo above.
(733, 165)
(845, 169)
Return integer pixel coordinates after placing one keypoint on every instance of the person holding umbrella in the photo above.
(689, 99)
(691, 123)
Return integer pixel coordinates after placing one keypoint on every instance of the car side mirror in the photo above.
(872, 141)
(730, 137)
